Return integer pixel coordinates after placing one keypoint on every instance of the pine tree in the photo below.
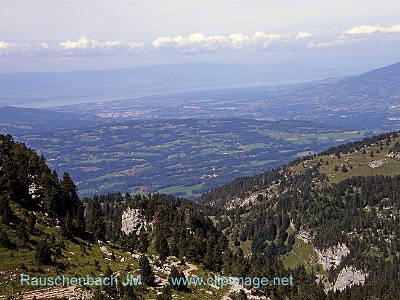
(144, 242)
(178, 284)
(69, 189)
(5, 210)
(95, 223)
(146, 271)
(31, 222)
(79, 223)
(162, 247)
(22, 234)
(67, 226)
(4, 239)
(43, 252)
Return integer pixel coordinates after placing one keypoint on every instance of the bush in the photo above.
(43, 252)
(4, 239)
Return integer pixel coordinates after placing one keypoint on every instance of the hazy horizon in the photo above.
(355, 36)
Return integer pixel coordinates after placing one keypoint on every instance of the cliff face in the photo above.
(133, 221)
(332, 256)
(349, 276)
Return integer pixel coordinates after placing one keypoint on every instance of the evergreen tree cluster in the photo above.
(361, 212)
(27, 182)
(178, 229)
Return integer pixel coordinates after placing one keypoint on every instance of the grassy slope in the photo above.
(357, 163)
(303, 253)
(80, 260)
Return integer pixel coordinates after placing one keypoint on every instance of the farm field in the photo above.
(181, 157)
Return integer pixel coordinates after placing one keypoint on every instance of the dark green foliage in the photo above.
(4, 239)
(166, 294)
(74, 213)
(111, 290)
(22, 234)
(145, 271)
(26, 180)
(43, 252)
(31, 222)
(161, 245)
(129, 292)
(180, 229)
(95, 220)
(242, 236)
(359, 211)
(99, 295)
(5, 210)
(129, 242)
(395, 148)
(240, 295)
(67, 226)
(179, 281)
(144, 242)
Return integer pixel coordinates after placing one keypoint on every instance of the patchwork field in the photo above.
(181, 157)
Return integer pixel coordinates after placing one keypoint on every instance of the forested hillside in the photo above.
(329, 222)
(344, 200)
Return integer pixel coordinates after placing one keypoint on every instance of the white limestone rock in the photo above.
(349, 276)
(133, 221)
(332, 256)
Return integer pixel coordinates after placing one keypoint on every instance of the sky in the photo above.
(57, 35)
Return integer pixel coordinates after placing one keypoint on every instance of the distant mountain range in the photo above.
(200, 90)
(49, 89)
(366, 101)
(61, 88)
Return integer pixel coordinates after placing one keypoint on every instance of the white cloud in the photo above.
(302, 35)
(365, 29)
(199, 42)
(86, 46)
(82, 47)
(359, 35)
(8, 49)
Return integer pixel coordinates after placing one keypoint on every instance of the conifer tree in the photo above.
(43, 252)
(177, 284)
(162, 247)
(5, 210)
(4, 239)
(146, 271)
(95, 223)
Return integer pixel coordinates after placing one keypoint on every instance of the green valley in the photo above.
(182, 157)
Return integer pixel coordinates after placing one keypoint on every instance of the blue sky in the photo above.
(71, 35)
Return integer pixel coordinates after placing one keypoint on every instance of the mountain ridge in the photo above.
(349, 225)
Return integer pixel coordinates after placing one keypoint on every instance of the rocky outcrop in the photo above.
(133, 221)
(69, 292)
(378, 163)
(332, 256)
(306, 236)
(393, 155)
(349, 276)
